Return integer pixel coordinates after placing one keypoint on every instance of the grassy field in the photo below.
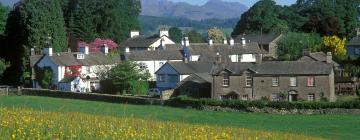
(325, 126)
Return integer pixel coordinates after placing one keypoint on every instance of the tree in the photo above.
(3, 66)
(335, 45)
(263, 15)
(3, 16)
(114, 19)
(128, 77)
(291, 45)
(28, 26)
(216, 35)
(44, 76)
(195, 37)
(175, 34)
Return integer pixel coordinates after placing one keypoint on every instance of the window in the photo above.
(248, 80)
(275, 97)
(293, 81)
(357, 51)
(311, 97)
(142, 66)
(161, 78)
(80, 56)
(173, 78)
(226, 81)
(245, 97)
(311, 81)
(275, 81)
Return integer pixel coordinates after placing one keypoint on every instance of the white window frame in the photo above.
(248, 80)
(161, 77)
(293, 81)
(80, 56)
(275, 81)
(311, 97)
(313, 81)
(275, 97)
(226, 81)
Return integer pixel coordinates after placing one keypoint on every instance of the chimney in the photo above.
(305, 52)
(105, 49)
(127, 49)
(163, 44)
(243, 41)
(84, 50)
(225, 41)
(134, 33)
(259, 58)
(358, 32)
(182, 42)
(48, 51)
(187, 43)
(329, 58)
(163, 32)
(218, 58)
(211, 42)
(32, 51)
(232, 42)
(69, 50)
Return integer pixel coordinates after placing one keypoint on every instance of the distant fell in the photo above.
(213, 9)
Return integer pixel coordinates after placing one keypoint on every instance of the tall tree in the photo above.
(216, 35)
(3, 16)
(195, 37)
(28, 26)
(175, 34)
(263, 15)
(112, 19)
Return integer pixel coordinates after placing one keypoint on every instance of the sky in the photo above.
(248, 3)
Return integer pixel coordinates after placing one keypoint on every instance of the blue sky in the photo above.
(248, 3)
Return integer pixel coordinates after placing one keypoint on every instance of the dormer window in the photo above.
(80, 56)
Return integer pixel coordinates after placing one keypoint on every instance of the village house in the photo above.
(73, 71)
(353, 46)
(272, 80)
(203, 52)
(267, 42)
(138, 42)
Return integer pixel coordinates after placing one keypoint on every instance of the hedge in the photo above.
(93, 97)
(185, 102)
(239, 104)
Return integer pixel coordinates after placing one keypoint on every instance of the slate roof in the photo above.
(293, 68)
(317, 56)
(236, 68)
(191, 67)
(265, 39)
(141, 41)
(68, 79)
(205, 49)
(69, 58)
(354, 42)
(155, 55)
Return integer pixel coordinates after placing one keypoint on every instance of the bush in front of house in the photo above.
(239, 104)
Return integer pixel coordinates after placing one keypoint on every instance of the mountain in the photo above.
(213, 9)
(150, 24)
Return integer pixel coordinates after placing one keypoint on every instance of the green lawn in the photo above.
(326, 126)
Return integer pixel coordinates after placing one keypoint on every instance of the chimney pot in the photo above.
(243, 41)
(329, 59)
(163, 32)
(48, 51)
(211, 42)
(232, 42)
(225, 41)
(134, 33)
(187, 43)
(84, 50)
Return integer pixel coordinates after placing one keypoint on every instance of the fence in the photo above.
(9, 90)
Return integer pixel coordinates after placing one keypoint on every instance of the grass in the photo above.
(326, 126)
(24, 123)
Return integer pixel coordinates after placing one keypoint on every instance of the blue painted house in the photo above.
(353, 46)
(171, 73)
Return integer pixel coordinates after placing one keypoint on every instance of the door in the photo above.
(293, 96)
